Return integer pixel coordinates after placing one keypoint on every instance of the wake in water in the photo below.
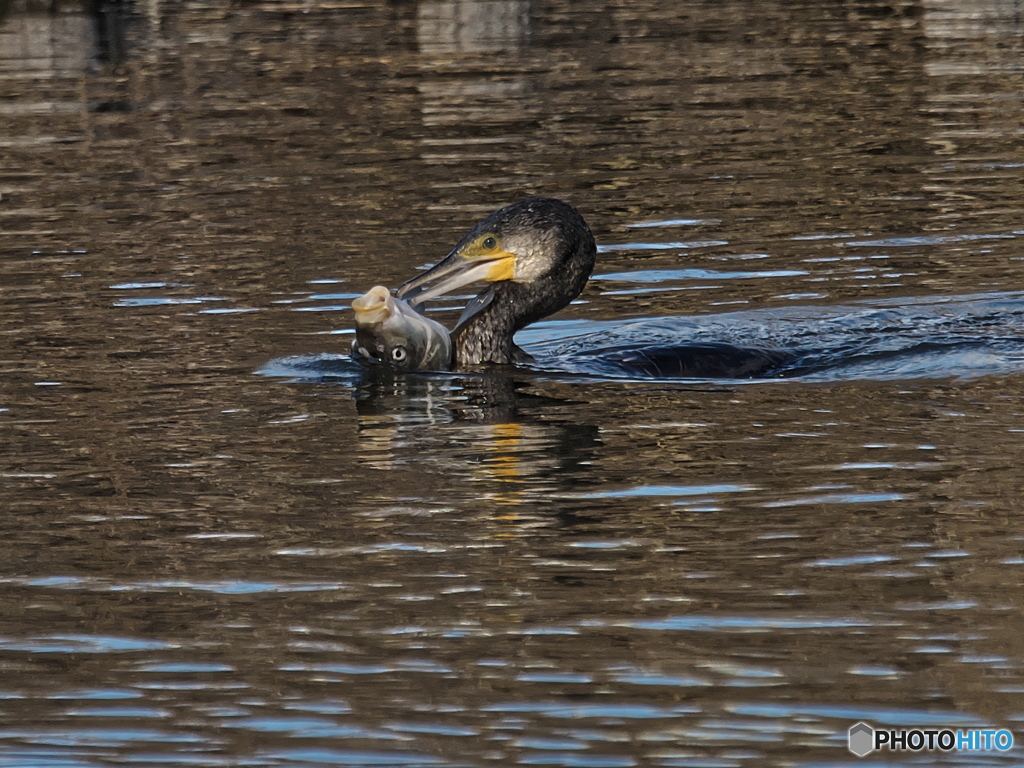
(931, 337)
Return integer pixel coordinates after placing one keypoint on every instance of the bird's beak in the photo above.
(456, 270)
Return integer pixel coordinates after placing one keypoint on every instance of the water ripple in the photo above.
(740, 624)
(81, 644)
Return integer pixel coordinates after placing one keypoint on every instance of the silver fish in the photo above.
(390, 332)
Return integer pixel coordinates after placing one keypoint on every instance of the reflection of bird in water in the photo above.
(537, 255)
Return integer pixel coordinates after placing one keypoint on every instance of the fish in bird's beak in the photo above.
(481, 259)
(390, 332)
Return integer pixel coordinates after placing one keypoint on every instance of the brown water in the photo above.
(205, 565)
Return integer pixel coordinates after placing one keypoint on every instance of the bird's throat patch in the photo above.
(502, 269)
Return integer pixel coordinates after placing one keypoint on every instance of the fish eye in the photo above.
(399, 354)
(489, 243)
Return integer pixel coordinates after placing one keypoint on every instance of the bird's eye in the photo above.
(489, 243)
(399, 354)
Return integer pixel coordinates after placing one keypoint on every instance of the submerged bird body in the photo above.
(694, 360)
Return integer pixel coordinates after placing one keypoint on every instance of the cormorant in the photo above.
(537, 255)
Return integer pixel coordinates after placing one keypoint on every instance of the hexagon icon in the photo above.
(862, 739)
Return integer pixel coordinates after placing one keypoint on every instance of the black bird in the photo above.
(537, 255)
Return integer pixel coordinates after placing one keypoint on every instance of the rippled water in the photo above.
(206, 565)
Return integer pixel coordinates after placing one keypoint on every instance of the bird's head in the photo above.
(539, 241)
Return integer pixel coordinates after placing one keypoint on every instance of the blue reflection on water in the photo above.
(80, 644)
(668, 490)
(663, 275)
(350, 757)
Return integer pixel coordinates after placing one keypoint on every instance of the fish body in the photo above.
(390, 332)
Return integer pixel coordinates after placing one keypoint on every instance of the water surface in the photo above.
(203, 565)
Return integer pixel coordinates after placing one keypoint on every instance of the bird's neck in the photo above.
(487, 337)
